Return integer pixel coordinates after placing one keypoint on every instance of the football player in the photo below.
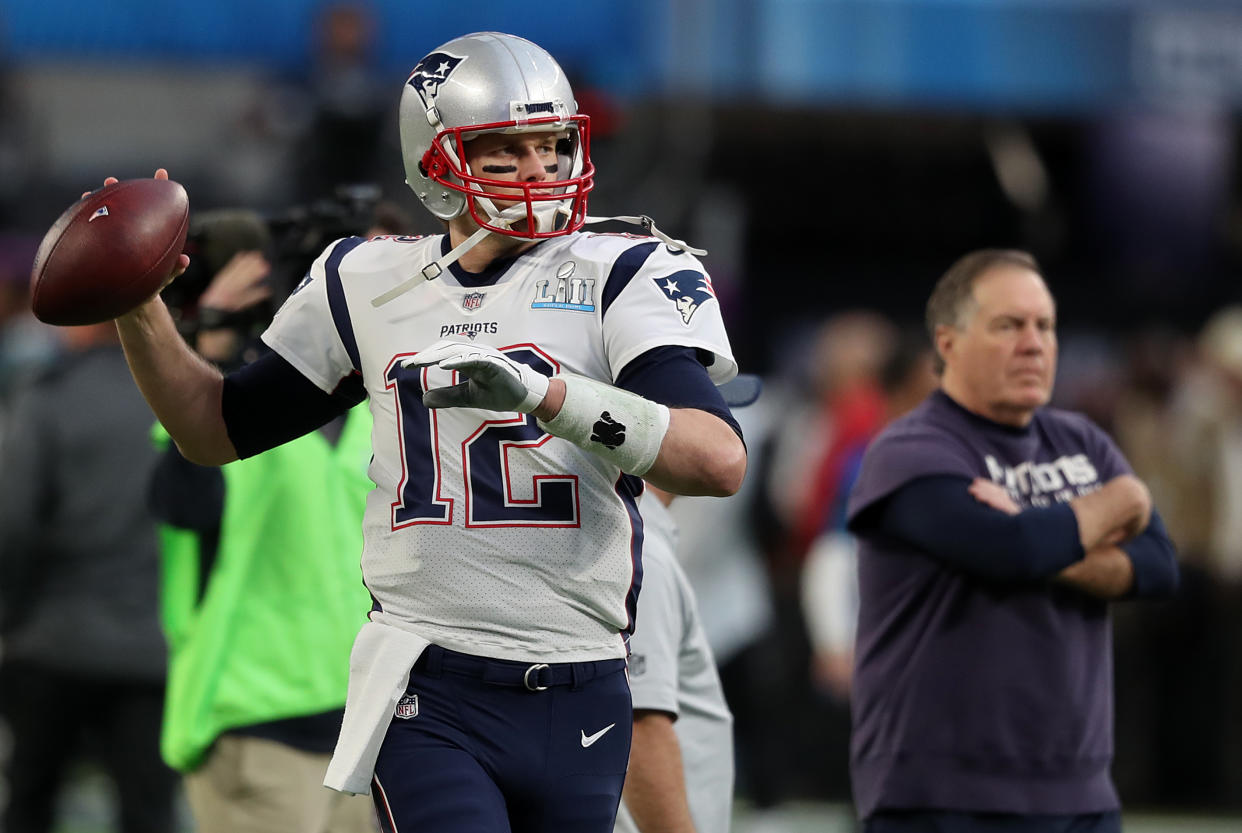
(523, 375)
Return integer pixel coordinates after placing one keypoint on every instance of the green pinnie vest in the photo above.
(270, 637)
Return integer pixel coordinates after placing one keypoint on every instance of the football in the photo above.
(109, 251)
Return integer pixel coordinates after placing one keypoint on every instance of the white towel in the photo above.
(379, 670)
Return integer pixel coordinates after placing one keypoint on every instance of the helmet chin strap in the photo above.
(649, 226)
(507, 218)
(434, 269)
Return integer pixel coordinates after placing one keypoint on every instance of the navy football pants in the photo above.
(941, 821)
(492, 746)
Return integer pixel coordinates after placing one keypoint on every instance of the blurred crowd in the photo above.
(773, 566)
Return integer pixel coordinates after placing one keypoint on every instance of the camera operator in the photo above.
(236, 289)
(262, 591)
(243, 266)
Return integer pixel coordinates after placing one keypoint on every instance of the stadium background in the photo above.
(830, 154)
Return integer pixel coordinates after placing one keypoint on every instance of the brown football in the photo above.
(109, 251)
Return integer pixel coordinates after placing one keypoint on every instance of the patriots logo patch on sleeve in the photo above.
(430, 73)
(688, 290)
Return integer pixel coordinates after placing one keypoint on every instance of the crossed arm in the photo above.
(1105, 543)
(1126, 550)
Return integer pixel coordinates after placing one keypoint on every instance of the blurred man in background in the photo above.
(680, 778)
(722, 554)
(993, 532)
(833, 404)
(1198, 457)
(351, 109)
(26, 344)
(84, 660)
(829, 580)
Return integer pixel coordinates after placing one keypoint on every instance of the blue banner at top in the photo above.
(1028, 55)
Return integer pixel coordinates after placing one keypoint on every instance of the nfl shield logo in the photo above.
(407, 707)
(472, 301)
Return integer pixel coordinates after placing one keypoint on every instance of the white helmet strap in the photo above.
(434, 269)
(649, 226)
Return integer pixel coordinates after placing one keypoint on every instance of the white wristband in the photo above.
(619, 426)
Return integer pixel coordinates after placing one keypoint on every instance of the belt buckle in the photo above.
(526, 677)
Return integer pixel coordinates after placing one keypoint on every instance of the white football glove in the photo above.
(493, 382)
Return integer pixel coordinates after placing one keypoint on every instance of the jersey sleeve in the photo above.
(1152, 553)
(305, 331)
(900, 454)
(655, 298)
(1156, 573)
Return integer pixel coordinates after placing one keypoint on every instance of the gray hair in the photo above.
(954, 292)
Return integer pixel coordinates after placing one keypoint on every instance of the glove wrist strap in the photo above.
(536, 385)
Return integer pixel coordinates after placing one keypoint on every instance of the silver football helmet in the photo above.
(489, 82)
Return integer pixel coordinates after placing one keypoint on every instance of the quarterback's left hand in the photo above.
(493, 381)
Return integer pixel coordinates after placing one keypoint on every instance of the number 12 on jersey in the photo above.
(464, 454)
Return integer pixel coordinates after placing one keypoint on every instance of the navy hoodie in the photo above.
(980, 685)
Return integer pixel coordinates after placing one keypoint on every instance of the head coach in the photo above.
(994, 531)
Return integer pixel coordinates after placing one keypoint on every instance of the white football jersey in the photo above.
(483, 533)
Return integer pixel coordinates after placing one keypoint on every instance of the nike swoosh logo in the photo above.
(587, 740)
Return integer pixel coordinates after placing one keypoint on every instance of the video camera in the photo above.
(291, 241)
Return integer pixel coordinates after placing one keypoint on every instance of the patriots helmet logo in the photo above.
(688, 290)
(430, 73)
